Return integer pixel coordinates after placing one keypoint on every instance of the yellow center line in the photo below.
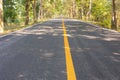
(69, 63)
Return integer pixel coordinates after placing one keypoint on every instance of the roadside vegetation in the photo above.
(17, 14)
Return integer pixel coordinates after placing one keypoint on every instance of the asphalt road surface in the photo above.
(38, 52)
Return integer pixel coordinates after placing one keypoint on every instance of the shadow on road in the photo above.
(35, 53)
(95, 51)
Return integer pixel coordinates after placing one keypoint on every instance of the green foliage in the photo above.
(9, 11)
(100, 12)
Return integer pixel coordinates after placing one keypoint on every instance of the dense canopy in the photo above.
(23, 12)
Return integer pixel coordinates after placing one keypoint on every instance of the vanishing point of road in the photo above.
(60, 49)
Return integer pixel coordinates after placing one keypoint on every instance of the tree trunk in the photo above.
(1, 17)
(82, 10)
(114, 19)
(34, 11)
(27, 12)
(41, 10)
(73, 9)
(89, 12)
(71, 13)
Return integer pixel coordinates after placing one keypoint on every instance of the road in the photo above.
(60, 50)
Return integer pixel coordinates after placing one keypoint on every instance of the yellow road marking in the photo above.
(69, 63)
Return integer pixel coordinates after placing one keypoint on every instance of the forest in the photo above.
(16, 14)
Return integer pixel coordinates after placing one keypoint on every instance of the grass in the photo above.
(101, 25)
(11, 27)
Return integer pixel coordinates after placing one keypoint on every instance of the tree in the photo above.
(10, 13)
(34, 11)
(19, 11)
(89, 12)
(40, 10)
(1, 17)
(73, 9)
(27, 5)
(118, 13)
(114, 19)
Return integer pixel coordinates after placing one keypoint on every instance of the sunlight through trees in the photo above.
(1, 17)
(105, 13)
